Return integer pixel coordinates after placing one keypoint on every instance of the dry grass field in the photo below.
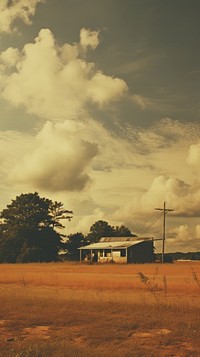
(78, 310)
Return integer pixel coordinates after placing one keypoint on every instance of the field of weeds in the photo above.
(79, 310)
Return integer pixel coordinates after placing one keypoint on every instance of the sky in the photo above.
(99, 109)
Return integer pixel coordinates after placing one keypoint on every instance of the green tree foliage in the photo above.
(27, 230)
(74, 242)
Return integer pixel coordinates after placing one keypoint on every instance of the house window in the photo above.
(123, 253)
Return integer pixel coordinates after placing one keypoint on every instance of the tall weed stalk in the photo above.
(151, 285)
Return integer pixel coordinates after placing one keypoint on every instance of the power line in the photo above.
(150, 223)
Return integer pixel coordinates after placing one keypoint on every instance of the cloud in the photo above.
(83, 223)
(89, 38)
(184, 238)
(12, 10)
(55, 82)
(59, 161)
(183, 198)
(168, 189)
(139, 100)
(13, 144)
(103, 89)
(162, 104)
(64, 155)
(10, 57)
(180, 196)
(181, 233)
(194, 155)
(71, 147)
(132, 172)
(154, 104)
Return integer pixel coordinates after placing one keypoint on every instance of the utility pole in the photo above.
(165, 211)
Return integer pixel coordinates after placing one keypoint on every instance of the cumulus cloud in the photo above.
(89, 38)
(103, 89)
(73, 151)
(182, 233)
(59, 160)
(53, 81)
(168, 189)
(180, 196)
(12, 10)
(184, 238)
(183, 198)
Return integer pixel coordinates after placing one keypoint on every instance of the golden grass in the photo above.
(67, 309)
(178, 277)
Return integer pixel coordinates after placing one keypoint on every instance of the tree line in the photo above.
(170, 257)
(31, 226)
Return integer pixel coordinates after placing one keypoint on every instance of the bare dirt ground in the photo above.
(76, 336)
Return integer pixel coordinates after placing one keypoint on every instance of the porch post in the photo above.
(80, 256)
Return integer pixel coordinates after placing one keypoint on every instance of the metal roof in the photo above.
(124, 239)
(112, 245)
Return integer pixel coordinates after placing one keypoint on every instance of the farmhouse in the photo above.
(119, 250)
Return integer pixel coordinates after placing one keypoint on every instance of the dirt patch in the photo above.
(41, 332)
(151, 334)
(171, 350)
(9, 335)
